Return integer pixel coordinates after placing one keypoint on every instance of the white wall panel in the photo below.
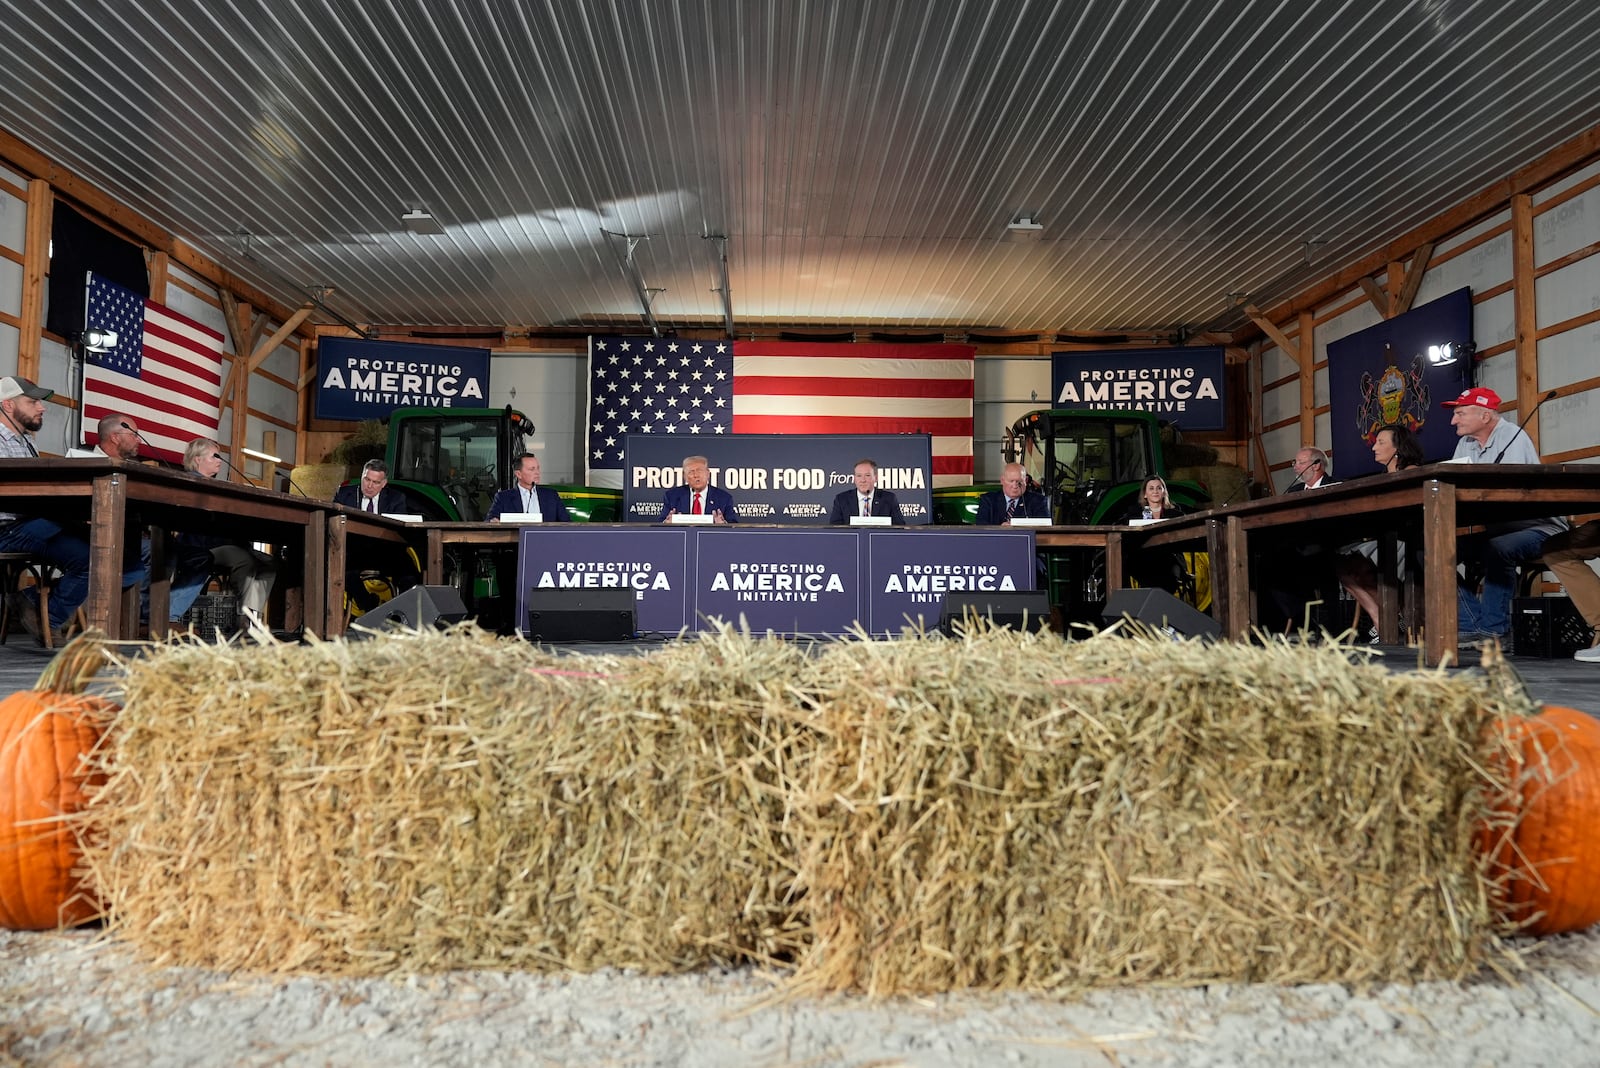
(13, 221)
(1566, 227)
(1280, 404)
(1484, 267)
(1568, 423)
(1570, 357)
(1275, 364)
(1567, 293)
(549, 388)
(1343, 325)
(1498, 373)
(1494, 321)
(10, 287)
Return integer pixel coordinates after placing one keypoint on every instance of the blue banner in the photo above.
(779, 478)
(655, 566)
(1399, 372)
(790, 582)
(1179, 385)
(907, 577)
(360, 379)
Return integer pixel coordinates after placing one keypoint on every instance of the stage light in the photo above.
(96, 340)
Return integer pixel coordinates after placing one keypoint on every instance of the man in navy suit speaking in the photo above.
(527, 495)
(866, 499)
(697, 496)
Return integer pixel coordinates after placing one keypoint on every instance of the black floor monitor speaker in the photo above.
(1014, 610)
(418, 608)
(1159, 609)
(556, 615)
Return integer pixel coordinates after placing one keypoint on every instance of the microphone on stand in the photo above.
(235, 470)
(1522, 426)
(246, 477)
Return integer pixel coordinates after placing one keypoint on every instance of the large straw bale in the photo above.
(1014, 812)
(439, 801)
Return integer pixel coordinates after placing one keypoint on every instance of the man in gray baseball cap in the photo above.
(66, 548)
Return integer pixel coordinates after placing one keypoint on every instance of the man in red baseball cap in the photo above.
(1488, 439)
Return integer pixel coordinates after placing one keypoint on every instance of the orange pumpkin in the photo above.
(46, 735)
(1548, 864)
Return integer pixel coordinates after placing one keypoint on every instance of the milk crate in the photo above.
(1547, 627)
(210, 614)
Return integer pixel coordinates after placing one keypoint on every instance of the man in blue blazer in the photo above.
(527, 495)
(1013, 500)
(866, 496)
(697, 496)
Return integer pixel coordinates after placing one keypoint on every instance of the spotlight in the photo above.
(97, 340)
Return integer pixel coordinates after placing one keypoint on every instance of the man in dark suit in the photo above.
(1013, 500)
(395, 564)
(697, 496)
(527, 495)
(1292, 578)
(373, 493)
(866, 498)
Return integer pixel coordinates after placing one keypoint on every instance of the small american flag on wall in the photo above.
(694, 388)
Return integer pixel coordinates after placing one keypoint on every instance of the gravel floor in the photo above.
(76, 998)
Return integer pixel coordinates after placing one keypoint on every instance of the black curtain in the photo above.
(78, 246)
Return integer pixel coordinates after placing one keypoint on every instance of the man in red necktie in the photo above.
(697, 496)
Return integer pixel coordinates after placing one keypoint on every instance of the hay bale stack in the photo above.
(444, 801)
(1000, 811)
(1027, 813)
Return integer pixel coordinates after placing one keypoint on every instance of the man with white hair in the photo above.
(1485, 438)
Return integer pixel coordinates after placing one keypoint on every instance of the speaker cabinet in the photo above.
(418, 608)
(556, 615)
(1019, 610)
(1161, 610)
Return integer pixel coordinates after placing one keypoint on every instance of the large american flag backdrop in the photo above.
(654, 385)
(166, 371)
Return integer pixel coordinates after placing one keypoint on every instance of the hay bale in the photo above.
(1003, 811)
(421, 802)
(1027, 813)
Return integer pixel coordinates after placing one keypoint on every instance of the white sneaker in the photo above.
(1590, 655)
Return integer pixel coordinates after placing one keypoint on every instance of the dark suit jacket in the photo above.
(681, 499)
(1300, 487)
(390, 499)
(551, 506)
(848, 504)
(992, 507)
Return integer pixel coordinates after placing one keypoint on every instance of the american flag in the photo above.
(165, 371)
(652, 385)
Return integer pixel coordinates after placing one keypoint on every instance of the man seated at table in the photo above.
(251, 572)
(64, 547)
(1568, 554)
(527, 496)
(1013, 500)
(1485, 438)
(866, 499)
(188, 566)
(697, 496)
(1293, 578)
(372, 493)
(391, 565)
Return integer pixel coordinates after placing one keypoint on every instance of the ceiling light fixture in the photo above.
(420, 222)
(1023, 227)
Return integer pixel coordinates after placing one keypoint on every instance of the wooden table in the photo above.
(1435, 503)
(107, 495)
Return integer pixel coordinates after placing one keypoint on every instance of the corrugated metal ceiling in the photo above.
(862, 157)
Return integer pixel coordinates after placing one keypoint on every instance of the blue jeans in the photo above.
(1499, 554)
(67, 552)
(190, 569)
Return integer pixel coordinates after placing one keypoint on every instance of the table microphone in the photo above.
(1521, 426)
(246, 477)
